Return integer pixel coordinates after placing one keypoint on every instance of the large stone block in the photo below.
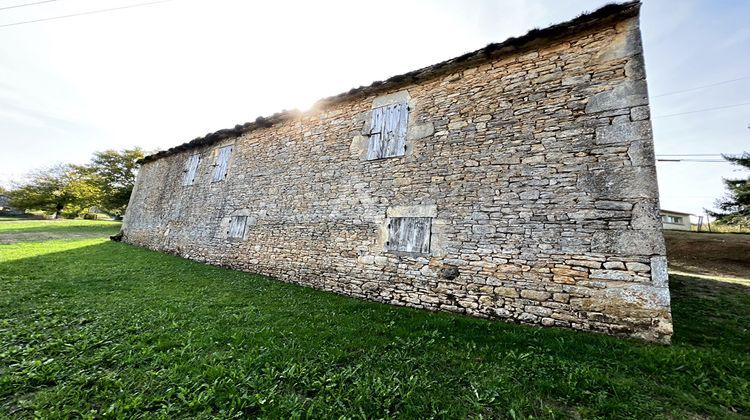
(420, 131)
(626, 132)
(426, 210)
(625, 44)
(391, 98)
(659, 274)
(635, 68)
(628, 94)
(646, 215)
(628, 242)
(641, 152)
(620, 183)
(614, 275)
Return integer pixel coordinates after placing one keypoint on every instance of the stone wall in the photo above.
(536, 168)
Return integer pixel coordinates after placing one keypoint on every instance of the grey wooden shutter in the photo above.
(375, 147)
(395, 130)
(191, 169)
(388, 131)
(222, 163)
(409, 234)
(237, 225)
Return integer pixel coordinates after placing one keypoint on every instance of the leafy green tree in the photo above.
(106, 182)
(735, 206)
(61, 189)
(113, 173)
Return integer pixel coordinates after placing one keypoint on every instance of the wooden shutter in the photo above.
(237, 225)
(191, 169)
(395, 129)
(375, 147)
(409, 234)
(388, 131)
(222, 163)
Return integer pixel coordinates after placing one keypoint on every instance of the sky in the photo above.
(162, 74)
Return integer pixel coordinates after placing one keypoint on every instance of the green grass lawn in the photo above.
(90, 327)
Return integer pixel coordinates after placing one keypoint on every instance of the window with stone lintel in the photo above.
(387, 137)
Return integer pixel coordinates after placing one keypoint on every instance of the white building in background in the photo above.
(675, 220)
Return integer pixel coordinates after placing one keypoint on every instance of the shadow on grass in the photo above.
(12, 232)
(711, 313)
(57, 226)
(115, 327)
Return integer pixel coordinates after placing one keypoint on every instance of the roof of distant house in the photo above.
(675, 212)
(532, 39)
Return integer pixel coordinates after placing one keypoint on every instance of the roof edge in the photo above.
(675, 212)
(609, 13)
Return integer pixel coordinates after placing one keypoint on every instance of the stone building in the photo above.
(513, 182)
(675, 220)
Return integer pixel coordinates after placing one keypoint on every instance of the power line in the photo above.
(26, 4)
(723, 82)
(693, 154)
(84, 13)
(702, 110)
(693, 160)
(691, 196)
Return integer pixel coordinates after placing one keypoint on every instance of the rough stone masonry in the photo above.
(514, 182)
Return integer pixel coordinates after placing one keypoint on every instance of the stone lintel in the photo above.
(428, 210)
(391, 98)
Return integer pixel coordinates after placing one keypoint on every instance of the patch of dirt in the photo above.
(713, 254)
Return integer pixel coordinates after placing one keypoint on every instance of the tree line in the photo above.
(68, 190)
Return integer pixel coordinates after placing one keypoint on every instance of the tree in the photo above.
(60, 189)
(113, 173)
(106, 182)
(735, 206)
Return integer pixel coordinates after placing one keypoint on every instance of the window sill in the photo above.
(384, 158)
(406, 253)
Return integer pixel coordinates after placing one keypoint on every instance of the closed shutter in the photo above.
(375, 147)
(409, 234)
(237, 225)
(191, 169)
(222, 163)
(388, 131)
